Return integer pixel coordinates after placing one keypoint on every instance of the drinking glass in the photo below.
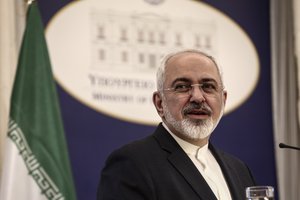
(260, 193)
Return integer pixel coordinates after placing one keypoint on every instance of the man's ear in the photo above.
(224, 97)
(157, 101)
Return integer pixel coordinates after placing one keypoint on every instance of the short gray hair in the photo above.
(160, 75)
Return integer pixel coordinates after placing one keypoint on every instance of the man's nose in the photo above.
(197, 94)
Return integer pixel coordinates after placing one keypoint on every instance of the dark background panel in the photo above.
(245, 132)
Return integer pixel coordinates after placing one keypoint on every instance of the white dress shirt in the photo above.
(206, 165)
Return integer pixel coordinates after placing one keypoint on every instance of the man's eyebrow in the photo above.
(208, 80)
(186, 80)
(181, 79)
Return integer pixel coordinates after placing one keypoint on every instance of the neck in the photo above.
(200, 142)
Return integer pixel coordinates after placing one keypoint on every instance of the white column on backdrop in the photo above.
(296, 6)
(12, 21)
(297, 46)
(285, 97)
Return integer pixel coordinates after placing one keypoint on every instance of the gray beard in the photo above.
(191, 129)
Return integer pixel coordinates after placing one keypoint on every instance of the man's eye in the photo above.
(182, 87)
(209, 87)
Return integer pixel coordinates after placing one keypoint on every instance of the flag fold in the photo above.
(36, 164)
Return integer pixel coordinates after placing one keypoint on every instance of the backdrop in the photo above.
(246, 129)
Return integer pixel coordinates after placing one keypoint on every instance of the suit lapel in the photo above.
(183, 164)
(230, 176)
(191, 174)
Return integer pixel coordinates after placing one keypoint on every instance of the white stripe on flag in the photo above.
(16, 182)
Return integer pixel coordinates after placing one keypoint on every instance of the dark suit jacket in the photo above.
(156, 168)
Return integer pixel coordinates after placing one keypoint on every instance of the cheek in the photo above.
(175, 106)
(217, 107)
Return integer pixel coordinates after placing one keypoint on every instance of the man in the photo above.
(178, 162)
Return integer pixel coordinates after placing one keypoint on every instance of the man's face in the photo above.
(191, 115)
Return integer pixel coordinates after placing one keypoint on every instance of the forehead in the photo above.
(192, 66)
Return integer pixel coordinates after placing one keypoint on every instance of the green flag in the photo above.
(36, 141)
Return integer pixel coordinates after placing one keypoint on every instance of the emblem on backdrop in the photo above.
(154, 2)
(111, 50)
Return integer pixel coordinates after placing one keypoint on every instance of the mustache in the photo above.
(203, 107)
